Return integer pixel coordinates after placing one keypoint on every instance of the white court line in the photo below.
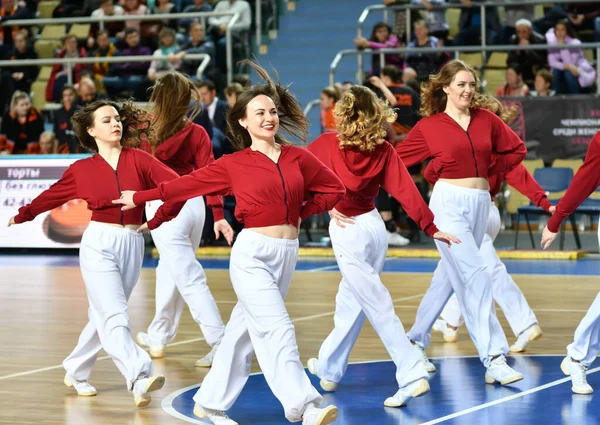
(321, 269)
(504, 399)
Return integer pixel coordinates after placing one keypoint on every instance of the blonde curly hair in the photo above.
(360, 118)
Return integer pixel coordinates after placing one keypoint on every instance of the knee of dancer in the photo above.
(477, 275)
(117, 321)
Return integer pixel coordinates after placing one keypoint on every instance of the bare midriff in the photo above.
(281, 231)
(126, 226)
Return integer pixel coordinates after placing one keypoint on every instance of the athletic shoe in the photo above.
(313, 367)
(429, 367)
(396, 239)
(500, 371)
(530, 334)
(207, 360)
(450, 335)
(217, 417)
(577, 371)
(402, 397)
(83, 388)
(143, 386)
(157, 351)
(315, 416)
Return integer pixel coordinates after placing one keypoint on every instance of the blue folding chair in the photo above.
(551, 180)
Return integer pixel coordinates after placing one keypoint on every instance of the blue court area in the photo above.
(586, 267)
(458, 396)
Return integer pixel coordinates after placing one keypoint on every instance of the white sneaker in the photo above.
(429, 367)
(83, 388)
(315, 416)
(530, 334)
(207, 360)
(450, 335)
(577, 371)
(402, 397)
(217, 417)
(313, 367)
(396, 239)
(157, 351)
(500, 371)
(143, 386)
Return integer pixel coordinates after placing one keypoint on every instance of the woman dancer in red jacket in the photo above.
(184, 147)
(111, 251)
(275, 186)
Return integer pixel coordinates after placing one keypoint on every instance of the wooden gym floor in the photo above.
(44, 307)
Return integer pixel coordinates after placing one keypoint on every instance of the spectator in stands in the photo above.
(435, 18)
(408, 74)
(218, 27)
(60, 73)
(570, 69)
(217, 113)
(10, 10)
(514, 83)
(23, 124)
(414, 84)
(17, 77)
(6, 146)
(68, 9)
(381, 38)
(425, 63)
(399, 27)
(134, 7)
(166, 47)
(232, 92)
(530, 61)
(197, 44)
(543, 84)
(512, 18)
(198, 6)
(329, 97)
(115, 29)
(62, 126)
(87, 92)
(30, 5)
(470, 24)
(104, 49)
(182, 4)
(164, 7)
(46, 146)
(585, 16)
(128, 76)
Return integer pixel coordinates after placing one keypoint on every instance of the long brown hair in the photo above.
(171, 96)
(291, 117)
(134, 119)
(360, 118)
(506, 114)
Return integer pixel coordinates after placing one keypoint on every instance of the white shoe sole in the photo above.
(447, 337)
(537, 334)
(490, 380)
(422, 388)
(69, 384)
(155, 383)
(564, 366)
(326, 385)
(155, 353)
(199, 411)
(203, 363)
(327, 416)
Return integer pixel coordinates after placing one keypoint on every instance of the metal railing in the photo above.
(170, 16)
(70, 62)
(310, 106)
(456, 50)
(385, 9)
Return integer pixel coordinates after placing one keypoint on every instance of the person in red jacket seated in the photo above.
(360, 156)
(111, 251)
(59, 75)
(184, 147)
(586, 342)
(466, 145)
(276, 185)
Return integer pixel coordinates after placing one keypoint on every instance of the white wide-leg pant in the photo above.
(462, 212)
(261, 270)
(180, 277)
(506, 292)
(110, 259)
(360, 250)
(586, 342)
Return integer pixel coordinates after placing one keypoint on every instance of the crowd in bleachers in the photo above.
(27, 90)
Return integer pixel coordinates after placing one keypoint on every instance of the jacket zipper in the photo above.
(473, 153)
(287, 212)
(119, 188)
